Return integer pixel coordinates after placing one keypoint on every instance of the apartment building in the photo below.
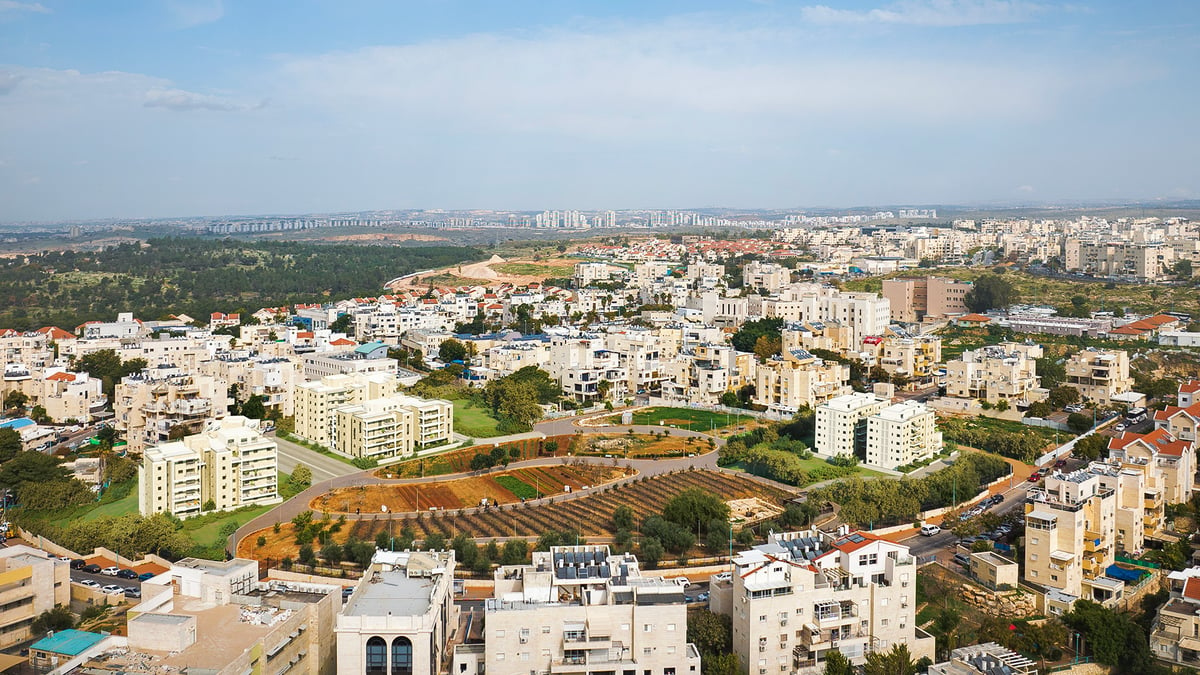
(230, 464)
(582, 610)
(588, 273)
(65, 395)
(1099, 374)
(399, 616)
(988, 658)
(797, 379)
(912, 300)
(1139, 512)
(1070, 536)
(579, 364)
(901, 434)
(841, 424)
(803, 594)
(1169, 462)
(30, 583)
(368, 358)
(1175, 634)
(392, 426)
(1183, 420)
(316, 401)
(216, 617)
(149, 405)
(770, 277)
(863, 314)
(1003, 372)
(272, 379)
(31, 349)
(1146, 262)
(917, 357)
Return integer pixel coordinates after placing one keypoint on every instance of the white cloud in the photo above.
(14, 6)
(180, 100)
(930, 13)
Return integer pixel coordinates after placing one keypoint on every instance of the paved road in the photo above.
(323, 467)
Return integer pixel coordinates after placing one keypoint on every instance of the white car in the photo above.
(113, 589)
(89, 583)
(930, 530)
(110, 571)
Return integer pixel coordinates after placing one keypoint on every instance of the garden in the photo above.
(694, 419)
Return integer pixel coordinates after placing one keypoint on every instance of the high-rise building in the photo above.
(841, 424)
(901, 434)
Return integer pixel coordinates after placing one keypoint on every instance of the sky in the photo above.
(162, 108)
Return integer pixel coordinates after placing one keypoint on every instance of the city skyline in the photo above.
(160, 109)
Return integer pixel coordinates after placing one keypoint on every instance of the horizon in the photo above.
(224, 108)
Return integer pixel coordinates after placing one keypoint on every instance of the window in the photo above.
(524, 635)
(624, 626)
(670, 626)
(376, 655)
(883, 622)
(762, 618)
(883, 602)
(671, 649)
(646, 651)
(524, 656)
(500, 633)
(499, 656)
(647, 627)
(546, 653)
(546, 630)
(402, 656)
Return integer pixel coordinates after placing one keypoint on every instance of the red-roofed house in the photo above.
(1169, 462)
(1189, 393)
(55, 333)
(221, 320)
(972, 320)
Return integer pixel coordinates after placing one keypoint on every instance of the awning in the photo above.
(1062, 555)
(1190, 643)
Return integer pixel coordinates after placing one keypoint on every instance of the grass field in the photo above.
(687, 418)
(473, 421)
(533, 269)
(207, 532)
(124, 505)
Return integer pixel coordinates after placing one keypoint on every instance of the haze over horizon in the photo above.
(165, 108)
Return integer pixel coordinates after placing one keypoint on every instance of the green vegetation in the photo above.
(473, 420)
(990, 292)
(749, 333)
(1003, 437)
(686, 418)
(780, 452)
(713, 636)
(120, 507)
(199, 276)
(544, 270)
(518, 487)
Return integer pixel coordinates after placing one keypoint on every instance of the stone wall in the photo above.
(1012, 604)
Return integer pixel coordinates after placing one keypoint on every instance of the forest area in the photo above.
(197, 277)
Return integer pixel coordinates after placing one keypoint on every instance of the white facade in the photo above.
(841, 424)
(901, 434)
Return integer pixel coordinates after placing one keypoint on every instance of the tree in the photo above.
(10, 444)
(481, 461)
(15, 399)
(1091, 447)
(515, 552)
(651, 552)
(750, 331)
(1051, 372)
(301, 478)
(31, 466)
(51, 495)
(767, 346)
(342, 324)
(452, 350)
(897, 661)
(695, 505)
(1063, 395)
(836, 663)
(730, 400)
(602, 389)
(1114, 638)
(1079, 422)
(59, 618)
(254, 408)
(711, 633)
(333, 553)
(1182, 268)
(623, 518)
(435, 541)
(306, 555)
(990, 291)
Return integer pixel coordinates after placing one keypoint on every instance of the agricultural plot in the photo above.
(459, 461)
(591, 515)
(639, 446)
(463, 493)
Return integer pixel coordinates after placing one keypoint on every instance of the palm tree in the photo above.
(602, 388)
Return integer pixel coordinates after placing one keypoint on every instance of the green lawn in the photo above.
(473, 421)
(207, 530)
(687, 418)
(122, 506)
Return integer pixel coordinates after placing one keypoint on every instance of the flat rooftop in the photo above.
(392, 592)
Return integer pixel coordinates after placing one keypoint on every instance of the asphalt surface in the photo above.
(105, 580)
(323, 467)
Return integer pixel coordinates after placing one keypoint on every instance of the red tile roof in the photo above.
(1160, 319)
(1191, 588)
(1159, 440)
(854, 541)
(56, 333)
(62, 377)
(975, 318)
(1189, 387)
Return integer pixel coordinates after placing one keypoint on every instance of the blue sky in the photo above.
(215, 107)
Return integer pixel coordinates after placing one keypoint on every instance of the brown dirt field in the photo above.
(640, 445)
(460, 493)
(459, 461)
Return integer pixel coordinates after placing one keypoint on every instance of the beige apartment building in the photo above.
(804, 594)
(1182, 420)
(1099, 374)
(1003, 372)
(316, 401)
(399, 616)
(582, 610)
(1145, 262)
(771, 277)
(1175, 635)
(797, 379)
(912, 300)
(272, 378)
(1139, 506)
(149, 405)
(901, 434)
(917, 358)
(30, 583)
(1168, 462)
(229, 463)
(841, 424)
(392, 426)
(1070, 536)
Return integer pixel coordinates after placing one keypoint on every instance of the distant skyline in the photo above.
(159, 108)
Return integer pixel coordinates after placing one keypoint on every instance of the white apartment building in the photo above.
(230, 463)
(841, 424)
(771, 277)
(587, 273)
(901, 434)
(803, 594)
(273, 379)
(1070, 536)
(1168, 462)
(864, 314)
(580, 364)
(369, 358)
(918, 357)
(581, 610)
(1003, 372)
(147, 406)
(1099, 374)
(392, 426)
(399, 616)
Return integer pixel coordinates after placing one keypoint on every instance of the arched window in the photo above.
(376, 655)
(401, 656)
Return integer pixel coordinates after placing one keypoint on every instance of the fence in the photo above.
(1041, 422)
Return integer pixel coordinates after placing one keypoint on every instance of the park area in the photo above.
(460, 493)
(590, 515)
(639, 446)
(459, 461)
(472, 419)
(694, 419)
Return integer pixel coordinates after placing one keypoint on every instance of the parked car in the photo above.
(1035, 476)
(1122, 426)
(962, 559)
(111, 571)
(133, 593)
(127, 574)
(930, 530)
(145, 575)
(77, 564)
(113, 589)
(89, 583)
(1060, 463)
(91, 568)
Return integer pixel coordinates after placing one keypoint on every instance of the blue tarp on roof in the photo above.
(1123, 574)
(69, 642)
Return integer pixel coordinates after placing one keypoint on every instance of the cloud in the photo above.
(180, 100)
(189, 13)
(941, 13)
(8, 81)
(14, 6)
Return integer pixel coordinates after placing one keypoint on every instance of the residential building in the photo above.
(803, 594)
(1175, 634)
(59, 650)
(841, 424)
(864, 314)
(316, 401)
(1003, 372)
(1145, 262)
(1182, 420)
(798, 379)
(994, 571)
(399, 616)
(1070, 536)
(912, 300)
(770, 277)
(368, 358)
(582, 610)
(1139, 510)
(150, 405)
(32, 583)
(901, 434)
(271, 378)
(988, 658)
(917, 358)
(587, 273)
(1099, 375)
(230, 464)
(392, 426)
(581, 363)
(1168, 461)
